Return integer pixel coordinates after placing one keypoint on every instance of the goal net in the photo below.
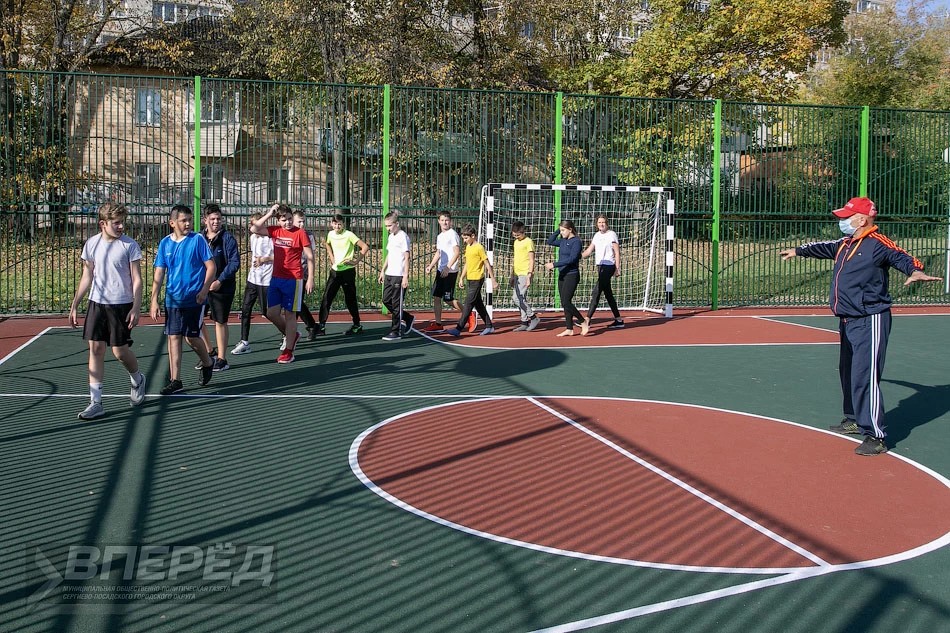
(642, 218)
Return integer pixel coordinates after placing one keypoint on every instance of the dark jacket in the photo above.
(569, 255)
(859, 276)
(227, 259)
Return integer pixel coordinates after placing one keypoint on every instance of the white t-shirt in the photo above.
(603, 252)
(261, 246)
(395, 247)
(446, 243)
(111, 273)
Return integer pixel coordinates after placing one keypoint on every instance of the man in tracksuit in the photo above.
(859, 298)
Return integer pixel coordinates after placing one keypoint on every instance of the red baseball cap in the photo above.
(864, 206)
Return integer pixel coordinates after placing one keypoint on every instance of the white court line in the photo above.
(685, 486)
(667, 605)
(21, 347)
(269, 396)
(807, 327)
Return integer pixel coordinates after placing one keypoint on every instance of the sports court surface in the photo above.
(671, 476)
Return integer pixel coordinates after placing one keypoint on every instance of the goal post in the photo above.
(642, 217)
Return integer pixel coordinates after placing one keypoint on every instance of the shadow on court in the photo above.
(925, 405)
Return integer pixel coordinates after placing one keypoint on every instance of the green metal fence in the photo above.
(750, 179)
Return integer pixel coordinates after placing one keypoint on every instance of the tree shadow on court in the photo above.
(926, 404)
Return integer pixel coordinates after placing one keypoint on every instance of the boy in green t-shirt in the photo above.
(341, 248)
(522, 274)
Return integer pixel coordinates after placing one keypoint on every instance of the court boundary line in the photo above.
(814, 558)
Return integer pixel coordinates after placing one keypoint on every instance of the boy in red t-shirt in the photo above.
(287, 282)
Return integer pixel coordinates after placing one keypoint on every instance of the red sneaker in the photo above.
(471, 322)
(433, 326)
(285, 357)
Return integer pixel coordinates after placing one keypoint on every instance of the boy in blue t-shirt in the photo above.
(185, 258)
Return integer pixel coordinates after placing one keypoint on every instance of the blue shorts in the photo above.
(183, 321)
(286, 293)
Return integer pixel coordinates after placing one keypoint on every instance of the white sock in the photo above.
(95, 392)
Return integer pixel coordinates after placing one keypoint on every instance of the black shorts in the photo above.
(219, 305)
(444, 286)
(108, 324)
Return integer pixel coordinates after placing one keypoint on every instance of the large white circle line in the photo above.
(877, 562)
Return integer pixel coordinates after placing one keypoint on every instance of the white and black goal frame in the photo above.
(488, 209)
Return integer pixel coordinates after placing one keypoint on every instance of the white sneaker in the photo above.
(283, 343)
(93, 411)
(488, 330)
(137, 395)
(243, 347)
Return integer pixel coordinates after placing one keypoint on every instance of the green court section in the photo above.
(259, 457)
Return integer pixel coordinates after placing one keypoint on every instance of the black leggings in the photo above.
(605, 273)
(252, 294)
(566, 287)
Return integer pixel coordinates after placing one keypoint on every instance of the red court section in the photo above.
(648, 330)
(512, 469)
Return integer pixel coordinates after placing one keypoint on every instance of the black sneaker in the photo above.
(356, 328)
(174, 386)
(220, 365)
(847, 427)
(871, 446)
(314, 332)
(212, 354)
(616, 325)
(205, 376)
(407, 323)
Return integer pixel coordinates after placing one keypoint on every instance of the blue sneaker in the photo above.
(453, 332)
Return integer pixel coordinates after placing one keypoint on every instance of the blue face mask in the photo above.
(846, 228)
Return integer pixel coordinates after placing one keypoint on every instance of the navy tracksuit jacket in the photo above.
(860, 299)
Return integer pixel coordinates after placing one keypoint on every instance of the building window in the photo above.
(527, 30)
(147, 181)
(328, 196)
(212, 182)
(218, 104)
(165, 11)
(372, 188)
(148, 107)
(278, 185)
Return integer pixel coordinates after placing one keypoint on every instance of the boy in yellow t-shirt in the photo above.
(522, 274)
(473, 274)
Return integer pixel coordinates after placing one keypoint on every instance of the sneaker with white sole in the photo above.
(93, 411)
(242, 347)
(137, 395)
(220, 364)
(488, 330)
(392, 336)
(533, 323)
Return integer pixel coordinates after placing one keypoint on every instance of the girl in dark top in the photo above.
(569, 257)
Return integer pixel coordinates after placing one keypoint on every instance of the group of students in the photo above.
(198, 272)
(476, 269)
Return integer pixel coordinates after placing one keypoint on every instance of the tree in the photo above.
(728, 49)
(892, 59)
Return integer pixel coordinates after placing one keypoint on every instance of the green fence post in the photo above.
(558, 167)
(865, 145)
(197, 163)
(387, 114)
(716, 208)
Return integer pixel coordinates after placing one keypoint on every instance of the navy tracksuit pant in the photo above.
(860, 366)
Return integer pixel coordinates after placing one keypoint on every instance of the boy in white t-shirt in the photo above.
(258, 279)
(606, 249)
(445, 261)
(112, 274)
(395, 277)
